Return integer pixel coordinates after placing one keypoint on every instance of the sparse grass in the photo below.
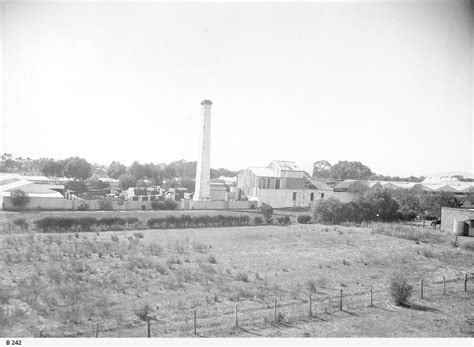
(242, 276)
(200, 247)
(143, 311)
(68, 282)
(139, 235)
(406, 232)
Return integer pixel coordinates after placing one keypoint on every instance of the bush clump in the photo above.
(164, 205)
(21, 223)
(19, 198)
(285, 220)
(258, 220)
(266, 211)
(303, 219)
(400, 289)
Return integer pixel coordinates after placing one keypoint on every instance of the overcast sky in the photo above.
(388, 84)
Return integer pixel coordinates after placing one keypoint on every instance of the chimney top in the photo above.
(206, 102)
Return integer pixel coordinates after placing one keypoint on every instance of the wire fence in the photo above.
(250, 317)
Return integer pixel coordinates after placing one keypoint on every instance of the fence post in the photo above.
(275, 318)
(340, 301)
(194, 322)
(444, 285)
(96, 329)
(41, 333)
(148, 326)
(421, 288)
(371, 296)
(310, 303)
(465, 282)
(236, 318)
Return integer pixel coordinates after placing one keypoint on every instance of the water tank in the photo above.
(458, 228)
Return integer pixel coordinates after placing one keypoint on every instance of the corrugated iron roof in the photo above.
(263, 172)
(287, 165)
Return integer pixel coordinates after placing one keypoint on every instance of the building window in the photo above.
(277, 183)
(294, 196)
(311, 197)
(322, 195)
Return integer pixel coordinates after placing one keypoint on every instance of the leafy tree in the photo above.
(350, 170)
(76, 186)
(329, 210)
(116, 169)
(77, 168)
(53, 168)
(359, 188)
(188, 183)
(380, 201)
(321, 169)
(95, 183)
(19, 198)
(136, 170)
(431, 204)
(126, 181)
(142, 183)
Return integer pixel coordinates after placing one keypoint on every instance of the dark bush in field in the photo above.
(21, 222)
(400, 289)
(303, 219)
(285, 220)
(258, 220)
(132, 220)
(85, 223)
(105, 204)
(164, 205)
(83, 206)
(266, 211)
(19, 198)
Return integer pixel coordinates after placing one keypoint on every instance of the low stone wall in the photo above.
(127, 205)
(449, 215)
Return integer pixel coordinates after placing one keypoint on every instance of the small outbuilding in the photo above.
(459, 221)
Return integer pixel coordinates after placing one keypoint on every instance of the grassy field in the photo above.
(64, 283)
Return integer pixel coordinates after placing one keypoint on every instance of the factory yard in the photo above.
(66, 284)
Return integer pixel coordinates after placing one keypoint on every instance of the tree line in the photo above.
(343, 170)
(381, 204)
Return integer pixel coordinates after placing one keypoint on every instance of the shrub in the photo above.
(328, 210)
(105, 204)
(400, 289)
(303, 219)
(85, 223)
(155, 223)
(258, 220)
(143, 312)
(170, 205)
(19, 198)
(242, 276)
(21, 222)
(139, 235)
(266, 211)
(164, 205)
(284, 220)
(212, 259)
(132, 220)
(83, 206)
(244, 220)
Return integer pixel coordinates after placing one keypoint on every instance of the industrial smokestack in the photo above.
(203, 172)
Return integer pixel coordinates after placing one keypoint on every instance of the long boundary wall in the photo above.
(65, 204)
